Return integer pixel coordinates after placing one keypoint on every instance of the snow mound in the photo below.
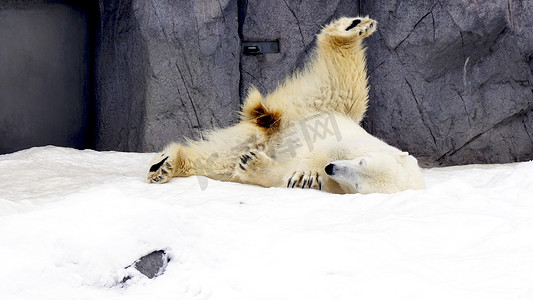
(72, 221)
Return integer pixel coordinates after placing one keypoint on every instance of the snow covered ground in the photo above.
(71, 221)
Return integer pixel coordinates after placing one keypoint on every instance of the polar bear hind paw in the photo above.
(351, 28)
(305, 180)
(362, 27)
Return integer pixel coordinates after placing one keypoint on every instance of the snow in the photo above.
(71, 221)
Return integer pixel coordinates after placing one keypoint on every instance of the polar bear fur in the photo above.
(304, 134)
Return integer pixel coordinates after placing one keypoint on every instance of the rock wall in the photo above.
(165, 69)
(451, 82)
(121, 71)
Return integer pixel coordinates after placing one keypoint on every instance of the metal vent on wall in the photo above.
(255, 48)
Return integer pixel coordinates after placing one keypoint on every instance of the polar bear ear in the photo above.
(405, 156)
(402, 156)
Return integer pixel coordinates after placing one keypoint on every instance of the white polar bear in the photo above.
(304, 134)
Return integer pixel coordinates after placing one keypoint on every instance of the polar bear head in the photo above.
(377, 172)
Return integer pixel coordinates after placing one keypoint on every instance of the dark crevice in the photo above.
(452, 151)
(374, 69)
(221, 11)
(462, 46)
(298, 24)
(303, 57)
(500, 36)
(190, 100)
(242, 7)
(503, 122)
(167, 39)
(434, 31)
(414, 27)
(255, 78)
(440, 160)
(527, 131)
(421, 113)
(466, 110)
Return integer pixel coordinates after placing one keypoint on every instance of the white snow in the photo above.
(71, 221)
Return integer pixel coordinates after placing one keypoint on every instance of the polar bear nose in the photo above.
(329, 169)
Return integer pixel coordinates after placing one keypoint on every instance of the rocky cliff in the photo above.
(451, 81)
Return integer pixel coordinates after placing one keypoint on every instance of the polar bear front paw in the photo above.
(253, 161)
(160, 172)
(305, 180)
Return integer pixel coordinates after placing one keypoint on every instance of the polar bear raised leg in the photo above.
(341, 62)
(334, 80)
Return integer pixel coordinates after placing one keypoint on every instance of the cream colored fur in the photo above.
(333, 81)
(271, 145)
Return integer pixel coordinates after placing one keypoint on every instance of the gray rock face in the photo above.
(294, 24)
(122, 68)
(165, 69)
(451, 81)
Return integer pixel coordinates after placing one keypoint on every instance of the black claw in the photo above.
(243, 160)
(290, 180)
(253, 154)
(303, 185)
(155, 167)
(242, 167)
(311, 183)
(320, 185)
(293, 184)
(301, 178)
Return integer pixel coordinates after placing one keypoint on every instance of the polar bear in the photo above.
(304, 134)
